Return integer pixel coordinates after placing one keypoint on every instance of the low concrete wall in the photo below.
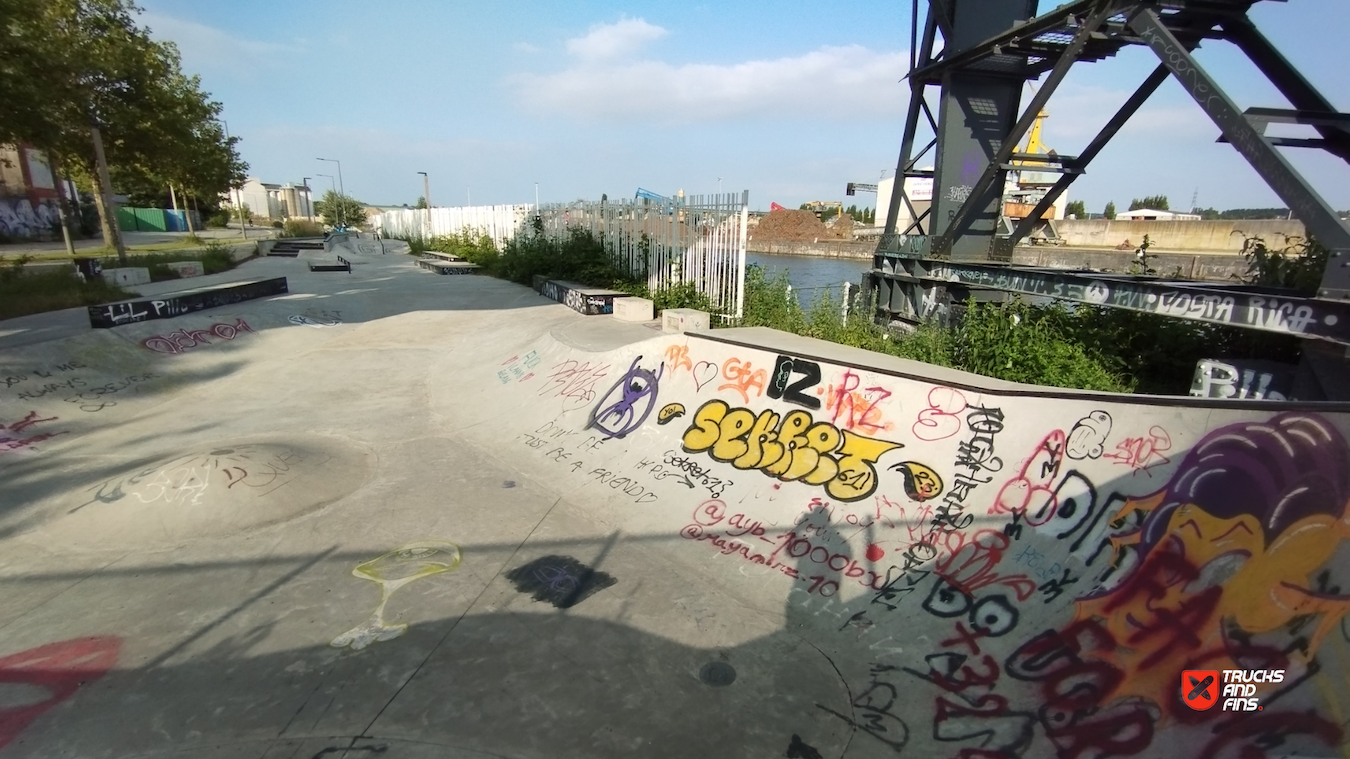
(823, 249)
(1202, 266)
(1175, 235)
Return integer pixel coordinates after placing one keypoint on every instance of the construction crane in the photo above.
(857, 187)
(819, 206)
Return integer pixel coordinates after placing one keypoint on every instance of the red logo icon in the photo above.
(1200, 688)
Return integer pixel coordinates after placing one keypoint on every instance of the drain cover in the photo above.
(717, 674)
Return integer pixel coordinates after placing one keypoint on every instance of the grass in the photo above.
(24, 294)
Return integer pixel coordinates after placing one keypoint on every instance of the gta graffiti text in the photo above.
(743, 378)
(790, 447)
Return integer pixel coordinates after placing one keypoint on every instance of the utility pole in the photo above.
(342, 210)
(426, 198)
(106, 191)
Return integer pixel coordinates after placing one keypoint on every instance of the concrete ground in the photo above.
(398, 513)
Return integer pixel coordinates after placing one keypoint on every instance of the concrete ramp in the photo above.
(416, 516)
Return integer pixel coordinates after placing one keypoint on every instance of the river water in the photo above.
(808, 274)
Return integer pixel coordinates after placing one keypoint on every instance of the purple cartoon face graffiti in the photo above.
(636, 390)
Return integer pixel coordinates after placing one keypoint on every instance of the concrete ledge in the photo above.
(684, 320)
(632, 309)
(131, 275)
(578, 297)
(187, 269)
(173, 304)
(448, 267)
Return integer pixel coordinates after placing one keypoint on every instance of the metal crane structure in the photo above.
(979, 54)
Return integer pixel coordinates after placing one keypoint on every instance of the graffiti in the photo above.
(959, 193)
(94, 399)
(1030, 494)
(53, 673)
(873, 705)
(790, 447)
(8, 441)
(316, 319)
(743, 378)
(19, 378)
(1260, 379)
(182, 481)
(685, 471)
(628, 485)
(921, 482)
(782, 387)
(574, 382)
(670, 413)
(1143, 453)
(942, 418)
(858, 408)
(183, 339)
(517, 368)
(560, 580)
(19, 217)
(1088, 437)
(702, 372)
(33, 393)
(392, 571)
(637, 390)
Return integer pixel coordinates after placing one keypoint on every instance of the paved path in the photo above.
(412, 515)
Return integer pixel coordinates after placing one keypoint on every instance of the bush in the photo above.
(301, 228)
(219, 219)
(214, 257)
(23, 294)
(277, 225)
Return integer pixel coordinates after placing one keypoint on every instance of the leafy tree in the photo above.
(1076, 208)
(1110, 211)
(70, 64)
(242, 213)
(421, 203)
(1206, 214)
(336, 208)
(1151, 202)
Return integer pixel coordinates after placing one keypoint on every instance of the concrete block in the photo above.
(187, 269)
(128, 276)
(634, 310)
(684, 320)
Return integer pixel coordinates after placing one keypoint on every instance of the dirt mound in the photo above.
(788, 225)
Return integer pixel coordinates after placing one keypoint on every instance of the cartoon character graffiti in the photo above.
(1226, 551)
(637, 397)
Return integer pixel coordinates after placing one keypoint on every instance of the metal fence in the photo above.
(501, 223)
(698, 239)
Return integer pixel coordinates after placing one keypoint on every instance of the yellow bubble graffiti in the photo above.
(791, 447)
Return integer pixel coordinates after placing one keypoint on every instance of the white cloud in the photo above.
(607, 41)
(207, 50)
(832, 83)
(524, 47)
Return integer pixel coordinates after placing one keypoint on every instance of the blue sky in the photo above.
(788, 101)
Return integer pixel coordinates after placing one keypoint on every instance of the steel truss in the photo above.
(980, 53)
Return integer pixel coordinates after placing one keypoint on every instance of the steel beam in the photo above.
(1317, 216)
(1265, 309)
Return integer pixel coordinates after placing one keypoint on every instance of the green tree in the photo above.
(421, 203)
(336, 208)
(1151, 202)
(1110, 211)
(1076, 208)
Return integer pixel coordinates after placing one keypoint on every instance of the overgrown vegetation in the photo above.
(214, 257)
(301, 228)
(23, 293)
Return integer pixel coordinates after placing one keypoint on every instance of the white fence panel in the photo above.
(501, 223)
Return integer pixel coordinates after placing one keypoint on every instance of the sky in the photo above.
(788, 101)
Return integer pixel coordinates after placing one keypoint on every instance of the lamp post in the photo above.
(239, 196)
(342, 215)
(332, 179)
(426, 198)
(309, 201)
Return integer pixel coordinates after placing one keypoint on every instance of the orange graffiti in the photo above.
(743, 378)
(677, 357)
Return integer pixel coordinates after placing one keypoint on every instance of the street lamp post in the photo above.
(342, 215)
(332, 179)
(426, 198)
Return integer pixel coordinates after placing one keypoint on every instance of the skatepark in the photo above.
(394, 513)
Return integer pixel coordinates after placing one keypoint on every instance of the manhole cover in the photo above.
(717, 674)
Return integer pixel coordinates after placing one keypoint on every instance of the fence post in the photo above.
(847, 287)
(789, 293)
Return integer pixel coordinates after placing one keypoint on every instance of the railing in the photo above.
(698, 239)
(498, 222)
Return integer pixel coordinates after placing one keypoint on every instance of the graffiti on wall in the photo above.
(183, 340)
(52, 674)
(19, 217)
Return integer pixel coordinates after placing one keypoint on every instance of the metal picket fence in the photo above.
(501, 223)
(698, 239)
